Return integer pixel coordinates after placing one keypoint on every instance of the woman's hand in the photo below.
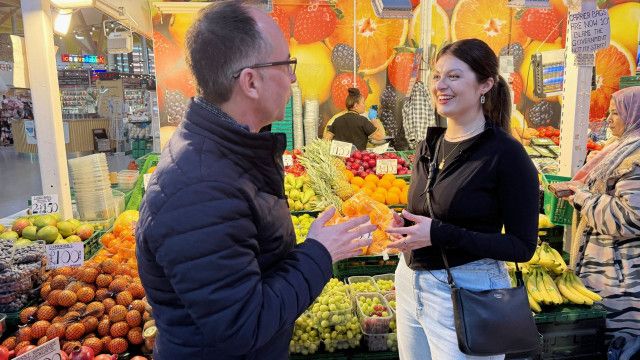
(411, 237)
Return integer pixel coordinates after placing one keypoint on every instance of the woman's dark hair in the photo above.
(484, 63)
(353, 98)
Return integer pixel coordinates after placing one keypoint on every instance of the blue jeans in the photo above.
(424, 313)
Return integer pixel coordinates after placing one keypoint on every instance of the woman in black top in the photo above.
(353, 127)
(481, 180)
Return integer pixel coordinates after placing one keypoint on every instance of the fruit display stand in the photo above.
(364, 266)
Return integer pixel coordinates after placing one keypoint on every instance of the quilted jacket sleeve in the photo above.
(616, 215)
(209, 258)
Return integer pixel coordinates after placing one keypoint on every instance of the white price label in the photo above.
(386, 166)
(585, 59)
(44, 204)
(47, 351)
(61, 255)
(287, 160)
(590, 31)
(380, 149)
(145, 180)
(341, 148)
(506, 64)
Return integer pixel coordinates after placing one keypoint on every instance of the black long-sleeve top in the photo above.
(488, 184)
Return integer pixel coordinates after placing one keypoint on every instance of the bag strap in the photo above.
(431, 178)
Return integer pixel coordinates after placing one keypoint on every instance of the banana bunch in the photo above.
(549, 258)
(572, 289)
(300, 196)
(541, 289)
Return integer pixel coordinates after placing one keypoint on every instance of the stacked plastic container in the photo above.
(90, 176)
(127, 178)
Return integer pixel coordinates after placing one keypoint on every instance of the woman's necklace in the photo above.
(444, 158)
(472, 132)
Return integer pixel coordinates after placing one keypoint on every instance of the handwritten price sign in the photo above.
(61, 255)
(341, 148)
(386, 166)
(44, 204)
(287, 160)
(47, 351)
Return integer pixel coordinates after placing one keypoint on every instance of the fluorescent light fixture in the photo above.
(73, 4)
(62, 22)
(183, 7)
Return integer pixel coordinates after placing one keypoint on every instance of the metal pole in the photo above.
(43, 77)
(425, 35)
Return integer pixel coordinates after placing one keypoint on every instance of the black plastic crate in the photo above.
(364, 266)
(570, 332)
(554, 236)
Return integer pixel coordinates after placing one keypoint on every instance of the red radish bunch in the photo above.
(363, 163)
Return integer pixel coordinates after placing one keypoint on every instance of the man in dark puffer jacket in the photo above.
(215, 242)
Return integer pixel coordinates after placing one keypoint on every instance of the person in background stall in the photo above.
(606, 194)
(352, 127)
(216, 247)
(480, 179)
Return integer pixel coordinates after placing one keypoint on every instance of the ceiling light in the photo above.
(62, 22)
(72, 4)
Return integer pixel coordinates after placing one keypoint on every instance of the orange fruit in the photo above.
(370, 185)
(67, 298)
(357, 180)
(117, 313)
(367, 190)
(39, 329)
(487, 20)
(376, 38)
(371, 178)
(96, 344)
(46, 312)
(392, 198)
(348, 174)
(135, 336)
(611, 63)
(355, 188)
(118, 346)
(9, 343)
(440, 32)
(90, 323)
(124, 298)
(74, 331)
(27, 314)
(624, 25)
(379, 197)
(103, 327)
(55, 331)
(119, 329)
(137, 305)
(107, 238)
(85, 294)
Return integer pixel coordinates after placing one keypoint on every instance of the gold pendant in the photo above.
(441, 166)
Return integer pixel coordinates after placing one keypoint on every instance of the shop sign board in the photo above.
(386, 166)
(83, 59)
(74, 77)
(341, 148)
(590, 31)
(44, 204)
(62, 255)
(47, 351)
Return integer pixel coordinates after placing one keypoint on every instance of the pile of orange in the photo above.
(119, 245)
(387, 190)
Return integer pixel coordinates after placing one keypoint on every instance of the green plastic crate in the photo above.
(559, 211)
(570, 314)
(92, 245)
(378, 355)
(320, 356)
(364, 266)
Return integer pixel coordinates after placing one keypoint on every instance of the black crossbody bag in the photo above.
(490, 322)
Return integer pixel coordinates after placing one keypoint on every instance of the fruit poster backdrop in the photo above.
(320, 34)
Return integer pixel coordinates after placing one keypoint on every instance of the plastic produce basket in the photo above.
(370, 324)
(391, 277)
(361, 279)
(364, 265)
(559, 211)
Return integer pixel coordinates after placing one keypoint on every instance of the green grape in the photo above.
(385, 285)
(364, 286)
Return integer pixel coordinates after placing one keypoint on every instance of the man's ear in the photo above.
(250, 82)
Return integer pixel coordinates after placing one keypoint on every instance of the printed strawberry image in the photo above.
(399, 70)
(340, 86)
(314, 22)
(541, 24)
(281, 17)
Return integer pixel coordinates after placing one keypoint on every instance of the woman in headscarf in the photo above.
(606, 248)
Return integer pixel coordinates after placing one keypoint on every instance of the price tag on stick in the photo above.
(47, 351)
(61, 255)
(386, 166)
(287, 160)
(44, 204)
(341, 148)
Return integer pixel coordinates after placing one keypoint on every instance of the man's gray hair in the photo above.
(223, 39)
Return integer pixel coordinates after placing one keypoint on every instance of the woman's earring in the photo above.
(482, 100)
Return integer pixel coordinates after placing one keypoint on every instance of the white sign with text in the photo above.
(590, 31)
(341, 148)
(61, 255)
(44, 204)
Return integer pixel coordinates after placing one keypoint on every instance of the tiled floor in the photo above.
(20, 178)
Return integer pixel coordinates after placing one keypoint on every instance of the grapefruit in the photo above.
(526, 70)
(440, 31)
(376, 38)
(611, 63)
(624, 25)
(314, 71)
(487, 20)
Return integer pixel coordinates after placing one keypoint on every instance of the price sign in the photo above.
(506, 64)
(341, 148)
(44, 204)
(386, 166)
(145, 180)
(590, 31)
(287, 160)
(47, 351)
(60, 255)
(380, 149)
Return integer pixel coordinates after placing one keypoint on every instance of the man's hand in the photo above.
(412, 237)
(342, 241)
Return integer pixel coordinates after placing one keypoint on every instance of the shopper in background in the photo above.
(606, 249)
(482, 180)
(215, 242)
(352, 127)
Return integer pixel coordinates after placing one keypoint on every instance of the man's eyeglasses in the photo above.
(293, 62)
